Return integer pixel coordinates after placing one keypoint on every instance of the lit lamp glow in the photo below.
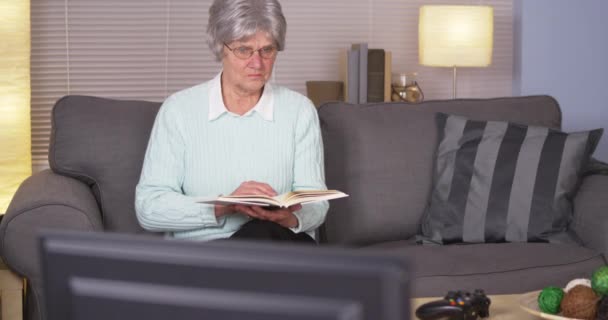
(455, 36)
(15, 144)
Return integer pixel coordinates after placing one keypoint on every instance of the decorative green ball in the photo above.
(549, 299)
(599, 281)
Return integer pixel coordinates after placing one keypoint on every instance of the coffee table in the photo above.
(503, 307)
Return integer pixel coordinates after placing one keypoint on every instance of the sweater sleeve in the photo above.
(309, 171)
(160, 204)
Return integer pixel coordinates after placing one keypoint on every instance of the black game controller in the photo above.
(455, 305)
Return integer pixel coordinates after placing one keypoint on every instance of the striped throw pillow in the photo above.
(503, 182)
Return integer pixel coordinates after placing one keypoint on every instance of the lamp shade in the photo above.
(455, 36)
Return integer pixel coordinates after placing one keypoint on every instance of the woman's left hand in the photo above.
(283, 216)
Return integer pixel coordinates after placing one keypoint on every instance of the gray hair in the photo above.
(231, 20)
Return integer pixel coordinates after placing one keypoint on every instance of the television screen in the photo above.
(110, 276)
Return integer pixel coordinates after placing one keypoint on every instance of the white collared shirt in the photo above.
(264, 107)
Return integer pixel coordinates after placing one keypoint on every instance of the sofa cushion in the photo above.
(499, 268)
(497, 181)
(102, 142)
(382, 155)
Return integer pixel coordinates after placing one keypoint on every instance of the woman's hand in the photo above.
(254, 187)
(246, 188)
(283, 216)
(221, 210)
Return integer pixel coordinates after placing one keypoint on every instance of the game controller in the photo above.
(455, 305)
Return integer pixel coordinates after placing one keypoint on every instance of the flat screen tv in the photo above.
(109, 276)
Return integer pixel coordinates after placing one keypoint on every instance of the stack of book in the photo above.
(366, 74)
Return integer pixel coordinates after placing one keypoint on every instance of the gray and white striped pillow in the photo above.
(503, 182)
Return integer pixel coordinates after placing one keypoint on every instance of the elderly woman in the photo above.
(236, 134)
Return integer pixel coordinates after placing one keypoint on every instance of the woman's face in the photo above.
(251, 74)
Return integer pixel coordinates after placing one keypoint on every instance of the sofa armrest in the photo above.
(591, 213)
(44, 200)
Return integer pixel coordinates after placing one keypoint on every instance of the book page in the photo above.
(283, 200)
(306, 196)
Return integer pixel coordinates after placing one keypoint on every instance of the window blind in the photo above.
(129, 49)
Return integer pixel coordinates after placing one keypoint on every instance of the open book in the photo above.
(283, 200)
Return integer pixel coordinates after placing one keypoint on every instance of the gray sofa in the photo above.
(382, 155)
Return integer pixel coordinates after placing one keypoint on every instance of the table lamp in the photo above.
(455, 36)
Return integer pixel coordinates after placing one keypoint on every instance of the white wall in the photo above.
(561, 49)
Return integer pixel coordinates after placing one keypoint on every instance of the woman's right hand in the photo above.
(221, 209)
(254, 188)
(246, 188)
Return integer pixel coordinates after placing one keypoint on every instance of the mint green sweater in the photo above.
(193, 152)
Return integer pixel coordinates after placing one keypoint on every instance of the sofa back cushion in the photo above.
(102, 142)
(382, 155)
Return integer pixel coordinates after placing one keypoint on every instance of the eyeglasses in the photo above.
(245, 53)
